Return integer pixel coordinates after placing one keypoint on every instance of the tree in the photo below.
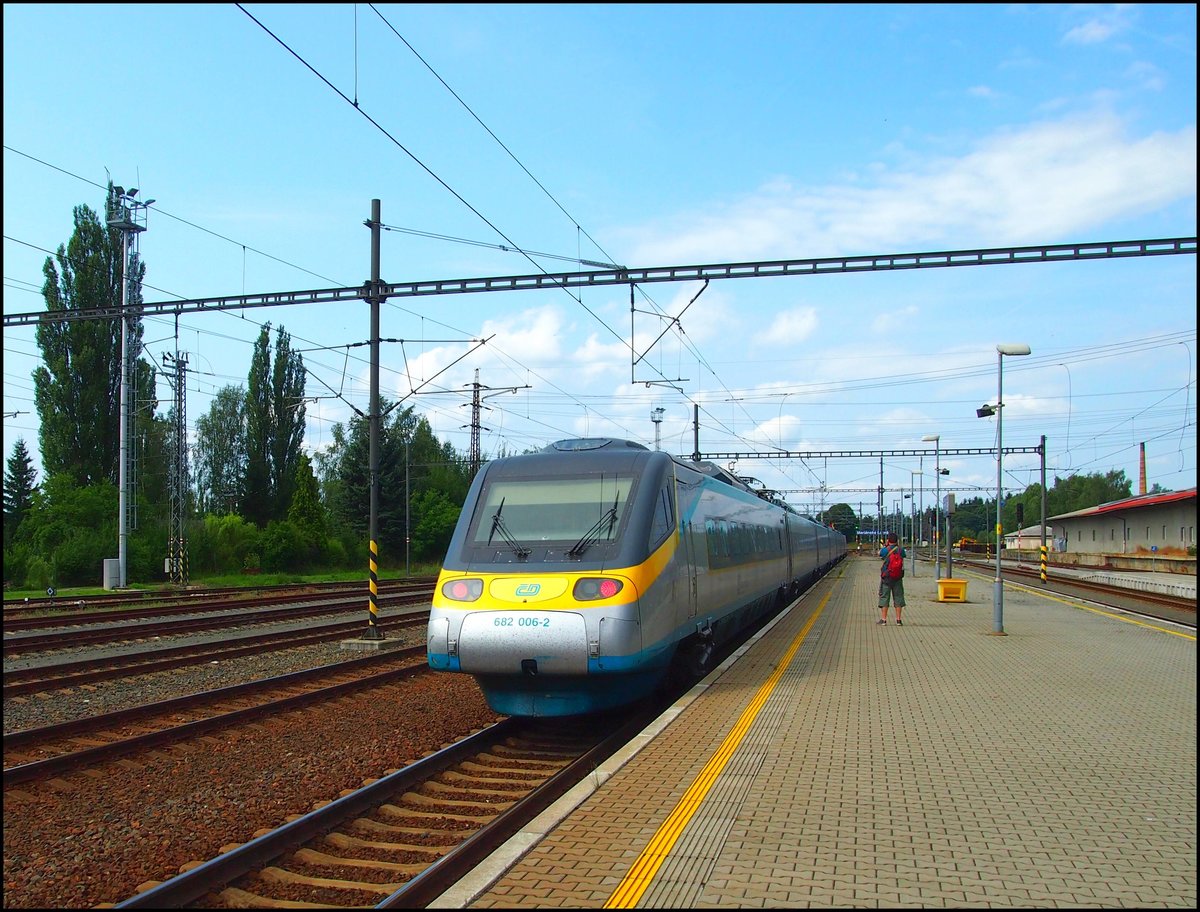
(221, 451)
(256, 481)
(1078, 492)
(306, 512)
(77, 387)
(69, 531)
(841, 516)
(287, 421)
(20, 481)
(275, 416)
(424, 466)
(436, 517)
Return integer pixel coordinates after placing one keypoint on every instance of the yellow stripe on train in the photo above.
(539, 588)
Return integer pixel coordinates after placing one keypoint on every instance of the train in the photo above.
(582, 577)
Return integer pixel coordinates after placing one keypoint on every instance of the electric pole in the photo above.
(123, 215)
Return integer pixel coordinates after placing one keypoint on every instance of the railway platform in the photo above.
(836, 763)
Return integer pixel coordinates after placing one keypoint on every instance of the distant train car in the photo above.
(578, 577)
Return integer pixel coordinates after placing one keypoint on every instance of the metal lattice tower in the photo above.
(178, 480)
(128, 216)
(474, 457)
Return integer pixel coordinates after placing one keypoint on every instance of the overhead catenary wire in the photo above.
(309, 366)
(358, 108)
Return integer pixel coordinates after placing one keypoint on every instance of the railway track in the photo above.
(1149, 604)
(403, 840)
(50, 750)
(150, 601)
(76, 630)
(93, 669)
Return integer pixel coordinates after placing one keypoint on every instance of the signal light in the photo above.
(590, 589)
(463, 590)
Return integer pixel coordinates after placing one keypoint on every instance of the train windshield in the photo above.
(532, 511)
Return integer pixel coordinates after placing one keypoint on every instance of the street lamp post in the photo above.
(998, 586)
(916, 526)
(937, 534)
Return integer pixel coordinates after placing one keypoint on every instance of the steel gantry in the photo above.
(993, 256)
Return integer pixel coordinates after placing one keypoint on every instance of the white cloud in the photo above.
(1039, 183)
(892, 319)
(982, 91)
(1146, 75)
(790, 327)
(1091, 32)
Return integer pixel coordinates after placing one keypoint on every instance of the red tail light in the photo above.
(463, 590)
(590, 589)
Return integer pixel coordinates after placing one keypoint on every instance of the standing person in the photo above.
(891, 579)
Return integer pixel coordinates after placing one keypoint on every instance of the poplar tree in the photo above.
(287, 422)
(77, 387)
(256, 481)
(275, 422)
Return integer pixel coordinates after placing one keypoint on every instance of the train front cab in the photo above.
(549, 578)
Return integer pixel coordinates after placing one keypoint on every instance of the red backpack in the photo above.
(893, 566)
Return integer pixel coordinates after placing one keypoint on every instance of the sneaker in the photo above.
(880, 621)
(899, 623)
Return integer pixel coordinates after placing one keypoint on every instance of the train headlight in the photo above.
(592, 588)
(463, 590)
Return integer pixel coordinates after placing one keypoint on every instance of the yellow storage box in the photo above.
(952, 590)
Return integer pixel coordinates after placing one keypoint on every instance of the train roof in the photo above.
(616, 444)
(712, 470)
(575, 444)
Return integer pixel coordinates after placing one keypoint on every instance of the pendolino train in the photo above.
(578, 577)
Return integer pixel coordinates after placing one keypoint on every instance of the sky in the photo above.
(507, 140)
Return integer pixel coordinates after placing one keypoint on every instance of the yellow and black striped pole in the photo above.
(373, 632)
(1043, 557)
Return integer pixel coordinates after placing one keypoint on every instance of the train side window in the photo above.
(718, 546)
(663, 523)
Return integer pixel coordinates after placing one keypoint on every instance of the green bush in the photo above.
(284, 548)
(37, 574)
(16, 567)
(227, 544)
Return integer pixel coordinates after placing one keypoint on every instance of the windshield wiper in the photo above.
(593, 534)
(498, 526)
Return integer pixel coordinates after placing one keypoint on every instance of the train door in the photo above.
(790, 561)
(686, 575)
(689, 570)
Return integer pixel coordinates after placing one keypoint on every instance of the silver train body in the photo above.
(579, 577)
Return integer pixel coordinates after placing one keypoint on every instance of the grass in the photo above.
(229, 581)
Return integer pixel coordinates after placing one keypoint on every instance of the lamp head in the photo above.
(985, 411)
(1013, 348)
